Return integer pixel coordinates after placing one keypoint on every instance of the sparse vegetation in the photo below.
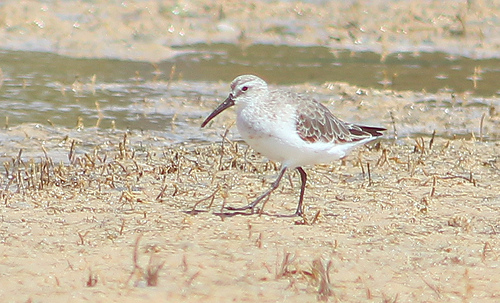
(406, 197)
(94, 210)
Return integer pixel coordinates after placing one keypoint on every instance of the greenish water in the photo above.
(55, 90)
(287, 65)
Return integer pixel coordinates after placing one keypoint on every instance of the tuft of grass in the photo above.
(92, 279)
(283, 270)
(149, 275)
(320, 272)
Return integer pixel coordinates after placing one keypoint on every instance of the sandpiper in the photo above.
(290, 128)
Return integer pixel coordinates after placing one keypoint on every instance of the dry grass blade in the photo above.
(369, 174)
(481, 124)
(431, 142)
(151, 274)
(436, 290)
(92, 279)
(162, 192)
(283, 269)
(321, 273)
(393, 122)
(211, 197)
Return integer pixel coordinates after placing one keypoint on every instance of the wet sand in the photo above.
(148, 30)
(109, 215)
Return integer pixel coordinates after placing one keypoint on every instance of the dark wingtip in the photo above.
(374, 131)
(362, 131)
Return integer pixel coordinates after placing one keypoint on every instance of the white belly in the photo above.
(277, 138)
(284, 145)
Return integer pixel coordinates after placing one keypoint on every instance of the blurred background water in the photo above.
(49, 89)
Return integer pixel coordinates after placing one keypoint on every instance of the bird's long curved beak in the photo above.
(226, 104)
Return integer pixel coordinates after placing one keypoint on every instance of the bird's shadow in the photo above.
(220, 213)
(232, 213)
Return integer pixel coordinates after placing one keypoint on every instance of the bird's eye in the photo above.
(244, 88)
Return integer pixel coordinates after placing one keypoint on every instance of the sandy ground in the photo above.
(101, 216)
(422, 226)
(104, 216)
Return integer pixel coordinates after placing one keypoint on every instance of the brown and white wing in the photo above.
(316, 123)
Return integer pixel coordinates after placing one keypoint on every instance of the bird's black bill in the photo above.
(226, 104)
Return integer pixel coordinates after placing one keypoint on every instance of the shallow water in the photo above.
(54, 90)
(286, 65)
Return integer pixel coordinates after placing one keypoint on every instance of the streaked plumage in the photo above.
(291, 128)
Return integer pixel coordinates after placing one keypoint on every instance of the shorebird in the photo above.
(290, 128)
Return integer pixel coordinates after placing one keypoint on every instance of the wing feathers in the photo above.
(316, 123)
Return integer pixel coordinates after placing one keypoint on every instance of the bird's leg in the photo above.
(303, 178)
(274, 185)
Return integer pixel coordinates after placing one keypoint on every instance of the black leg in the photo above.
(303, 178)
(274, 185)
